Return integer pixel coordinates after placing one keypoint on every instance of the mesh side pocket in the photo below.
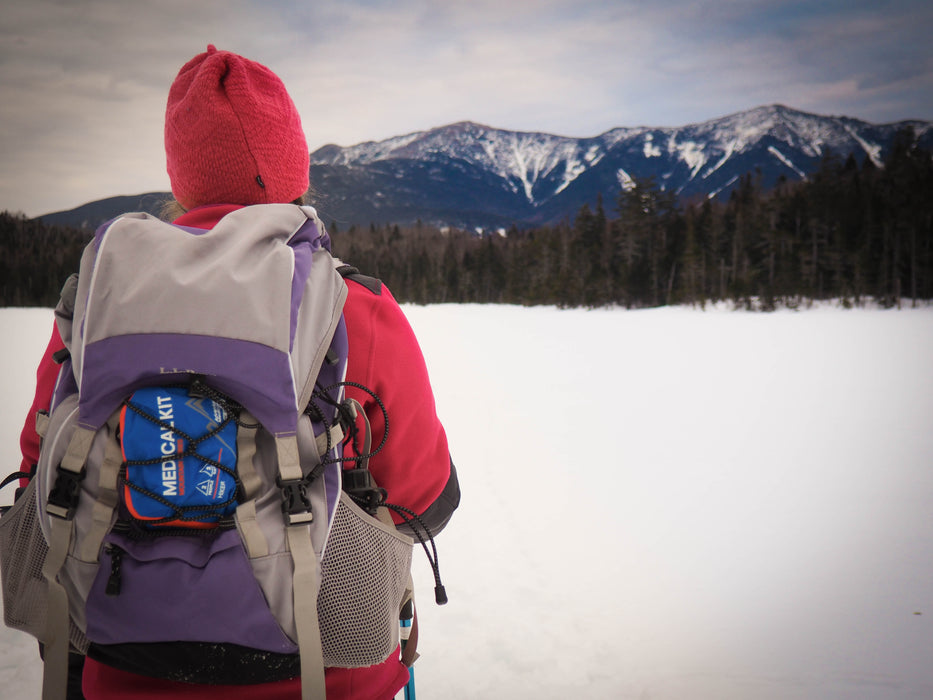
(22, 554)
(365, 572)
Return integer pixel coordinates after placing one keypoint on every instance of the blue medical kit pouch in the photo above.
(179, 452)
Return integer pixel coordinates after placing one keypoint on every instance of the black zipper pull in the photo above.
(116, 561)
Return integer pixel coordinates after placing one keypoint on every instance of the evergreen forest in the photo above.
(852, 231)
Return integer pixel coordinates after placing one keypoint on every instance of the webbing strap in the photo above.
(107, 497)
(253, 538)
(42, 423)
(410, 634)
(55, 672)
(306, 581)
(61, 528)
(286, 450)
(410, 651)
(255, 541)
(336, 437)
(78, 448)
(246, 450)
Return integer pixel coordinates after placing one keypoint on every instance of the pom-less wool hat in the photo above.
(232, 134)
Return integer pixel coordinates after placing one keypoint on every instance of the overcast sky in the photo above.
(84, 82)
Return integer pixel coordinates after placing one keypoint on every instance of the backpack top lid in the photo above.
(157, 303)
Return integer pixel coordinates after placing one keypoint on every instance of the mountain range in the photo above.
(470, 175)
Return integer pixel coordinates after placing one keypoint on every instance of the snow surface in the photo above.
(666, 504)
(786, 161)
(650, 150)
(691, 153)
(626, 181)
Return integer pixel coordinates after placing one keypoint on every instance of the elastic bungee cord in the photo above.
(347, 418)
(186, 513)
(409, 516)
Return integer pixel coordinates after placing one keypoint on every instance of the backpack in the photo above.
(187, 519)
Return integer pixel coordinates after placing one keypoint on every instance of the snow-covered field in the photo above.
(666, 504)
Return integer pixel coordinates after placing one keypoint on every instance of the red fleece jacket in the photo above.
(414, 467)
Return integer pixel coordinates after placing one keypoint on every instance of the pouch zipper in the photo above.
(115, 581)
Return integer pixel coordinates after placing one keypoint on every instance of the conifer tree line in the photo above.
(35, 259)
(852, 231)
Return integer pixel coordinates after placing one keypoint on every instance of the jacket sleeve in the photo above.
(46, 376)
(414, 465)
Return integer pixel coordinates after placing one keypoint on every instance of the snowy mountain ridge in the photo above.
(520, 158)
(539, 166)
(471, 175)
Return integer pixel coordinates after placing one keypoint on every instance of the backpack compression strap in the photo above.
(306, 576)
(62, 501)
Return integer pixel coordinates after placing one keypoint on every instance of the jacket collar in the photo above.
(207, 216)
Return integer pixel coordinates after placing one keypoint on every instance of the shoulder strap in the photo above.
(349, 272)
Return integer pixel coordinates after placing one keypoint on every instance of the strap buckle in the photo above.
(360, 485)
(63, 498)
(295, 502)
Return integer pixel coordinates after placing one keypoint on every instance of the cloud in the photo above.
(864, 59)
(84, 88)
(499, 63)
(84, 83)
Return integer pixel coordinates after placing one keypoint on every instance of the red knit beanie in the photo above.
(232, 134)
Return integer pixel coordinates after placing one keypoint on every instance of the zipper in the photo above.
(138, 532)
(115, 581)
